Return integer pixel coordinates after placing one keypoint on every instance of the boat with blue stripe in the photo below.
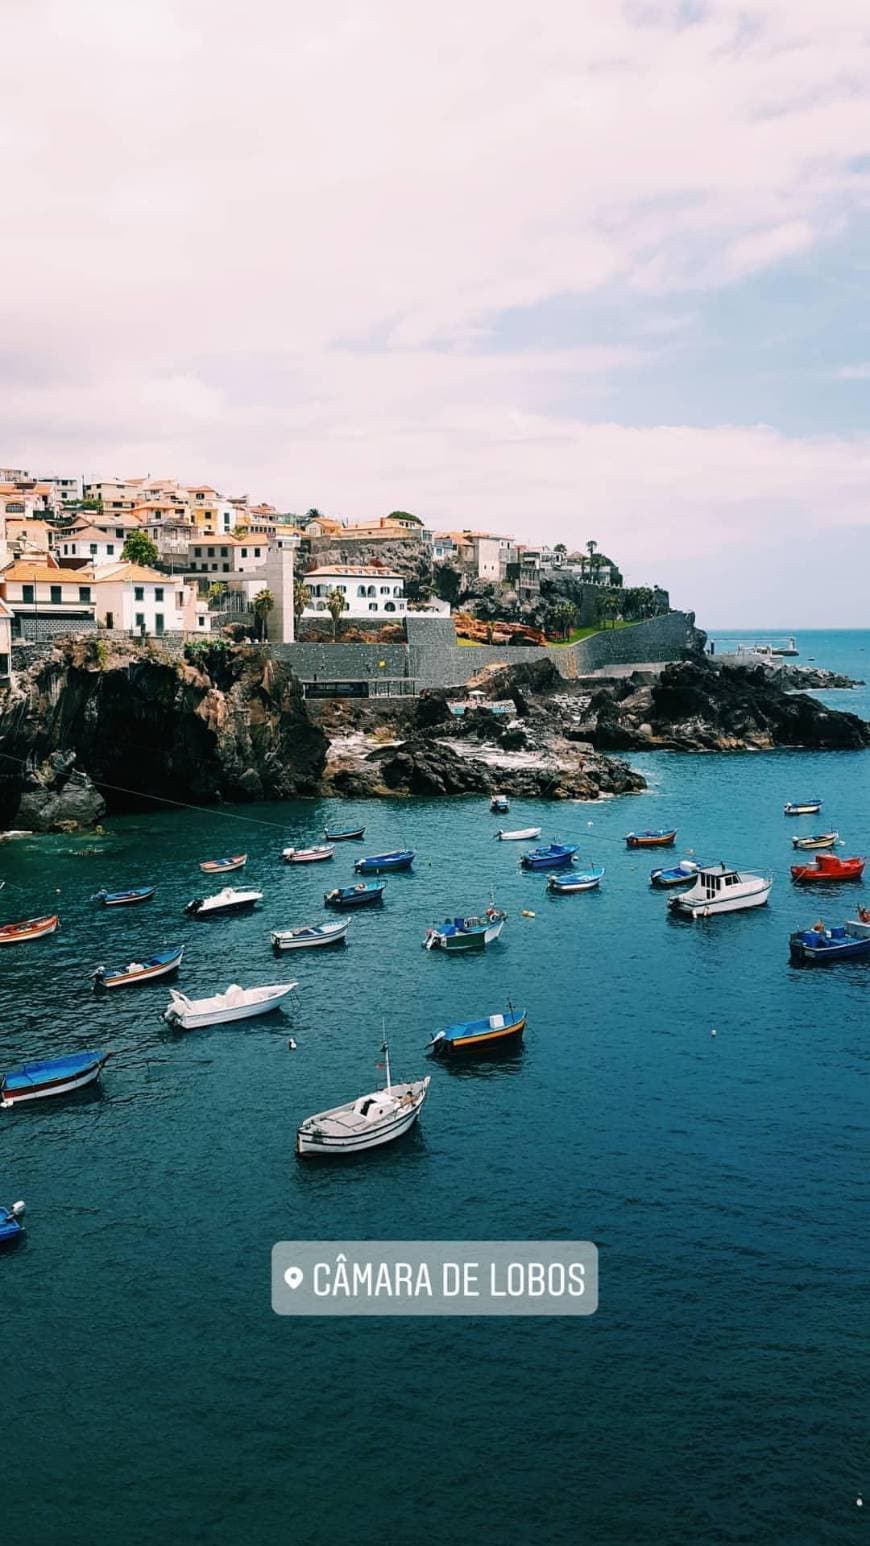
(802, 807)
(377, 864)
(678, 875)
(555, 856)
(51, 1076)
(846, 942)
(491, 1033)
(159, 964)
(578, 880)
(11, 1227)
(126, 898)
(344, 834)
(363, 894)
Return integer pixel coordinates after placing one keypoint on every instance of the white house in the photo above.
(45, 600)
(144, 601)
(218, 557)
(91, 544)
(368, 591)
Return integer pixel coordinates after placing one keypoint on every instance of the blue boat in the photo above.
(344, 834)
(160, 964)
(678, 875)
(492, 1033)
(802, 807)
(578, 880)
(556, 856)
(364, 894)
(124, 898)
(377, 864)
(848, 942)
(11, 1228)
(52, 1076)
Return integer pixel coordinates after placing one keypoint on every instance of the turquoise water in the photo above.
(719, 1395)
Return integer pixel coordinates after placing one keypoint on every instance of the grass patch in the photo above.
(577, 634)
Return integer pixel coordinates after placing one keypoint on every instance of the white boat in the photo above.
(307, 855)
(229, 900)
(310, 935)
(719, 889)
(522, 835)
(365, 1123)
(236, 1004)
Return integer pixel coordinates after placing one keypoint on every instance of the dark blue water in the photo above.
(719, 1395)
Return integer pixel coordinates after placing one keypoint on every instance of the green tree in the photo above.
(264, 603)
(301, 598)
(563, 617)
(336, 603)
(610, 604)
(139, 549)
(404, 515)
(216, 591)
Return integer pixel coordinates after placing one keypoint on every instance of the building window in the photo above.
(226, 568)
(373, 606)
(84, 593)
(140, 619)
(179, 599)
(244, 552)
(198, 552)
(56, 595)
(4, 665)
(257, 554)
(360, 590)
(225, 552)
(92, 549)
(110, 548)
(119, 532)
(27, 593)
(158, 593)
(139, 593)
(389, 606)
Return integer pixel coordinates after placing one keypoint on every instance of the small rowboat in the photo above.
(376, 864)
(52, 1076)
(365, 1123)
(821, 840)
(556, 856)
(347, 835)
(363, 894)
(456, 934)
(226, 901)
(492, 1033)
(500, 804)
(802, 807)
(678, 875)
(236, 1004)
(848, 942)
(29, 928)
(310, 935)
(124, 898)
(582, 880)
(223, 866)
(160, 964)
(522, 835)
(826, 868)
(11, 1227)
(660, 838)
(307, 855)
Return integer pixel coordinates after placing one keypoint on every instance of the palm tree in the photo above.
(264, 602)
(301, 598)
(336, 603)
(563, 617)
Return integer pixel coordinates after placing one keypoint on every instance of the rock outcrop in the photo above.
(228, 724)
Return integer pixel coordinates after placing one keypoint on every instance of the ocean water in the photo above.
(718, 1395)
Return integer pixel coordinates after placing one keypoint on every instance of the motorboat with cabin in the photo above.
(720, 889)
(367, 1122)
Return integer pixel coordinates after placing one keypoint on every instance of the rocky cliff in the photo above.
(229, 724)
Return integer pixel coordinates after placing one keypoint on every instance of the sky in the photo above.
(564, 271)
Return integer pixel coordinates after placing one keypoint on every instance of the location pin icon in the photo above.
(293, 1277)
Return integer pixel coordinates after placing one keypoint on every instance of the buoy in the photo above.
(713, 1032)
(526, 914)
(859, 1501)
(291, 1044)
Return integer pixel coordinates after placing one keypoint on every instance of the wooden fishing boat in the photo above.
(29, 928)
(662, 837)
(816, 946)
(222, 1008)
(522, 835)
(821, 840)
(377, 864)
(555, 856)
(11, 1227)
(51, 1076)
(500, 804)
(307, 855)
(124, 898)
(344, 835)
(491, 1033)
(827, 868)
(581, 880)
(223, 866)
(679, 875)
(365, 1123)
(458, 934)
(226, 901)
(310, 936)
(719, 889)
(802, 807)
(363, 894)
(160, 964)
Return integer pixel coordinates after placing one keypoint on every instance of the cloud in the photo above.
(853, 372)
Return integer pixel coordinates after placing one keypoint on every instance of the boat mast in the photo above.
(386, 1052)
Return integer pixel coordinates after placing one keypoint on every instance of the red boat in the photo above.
(828, 867)
(29, 928)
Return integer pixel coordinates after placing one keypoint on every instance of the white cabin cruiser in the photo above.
(229, 900)
(367, 1122)
(720, 889)
(189, 1014)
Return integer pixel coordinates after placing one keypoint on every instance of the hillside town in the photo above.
(152, 557)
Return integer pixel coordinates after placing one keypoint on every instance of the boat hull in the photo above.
(478, 1043)
(577, 883)
(651, 839)
(823, 840)
(287, 940)
(352, 835)
(526, 835)
(222, 909)
(712, 907)
(355, 899)
(382, 864)
(33, 928)
(827, 871)
(194, 1020)
(311, 1143)
(59, 1085)
(306, 855)
(126, 898)
(223, 866)
(104, 981)
(804, 951)
(807, 808)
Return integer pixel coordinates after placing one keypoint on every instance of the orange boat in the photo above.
(29, 928)
(828, 867)
(659, 839)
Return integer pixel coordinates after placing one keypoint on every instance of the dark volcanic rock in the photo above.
(232, 726)
(425, 767)
(58, 797)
